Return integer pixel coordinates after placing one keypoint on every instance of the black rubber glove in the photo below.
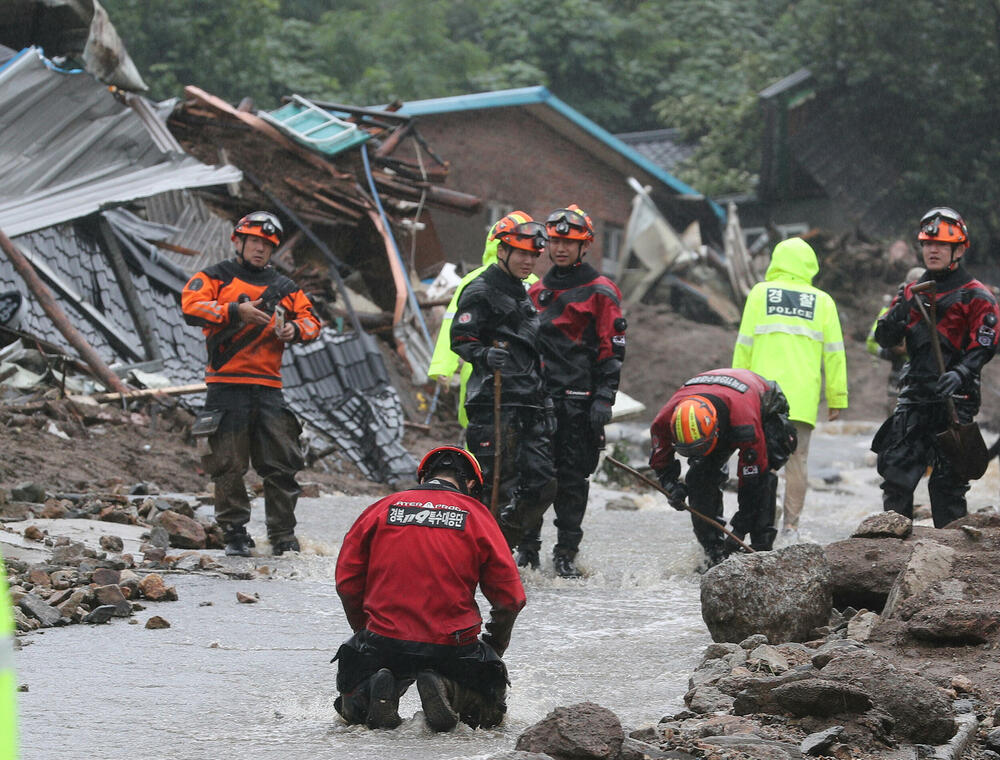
(948, 383)
(496, 358)
(600, 414)
(550, 417)
(676, 493)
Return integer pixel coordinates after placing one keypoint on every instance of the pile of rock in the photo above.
(833, 683)
(55, 580)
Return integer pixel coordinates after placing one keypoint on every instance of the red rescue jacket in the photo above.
(741, 391)
(409, 567)
(237, 352)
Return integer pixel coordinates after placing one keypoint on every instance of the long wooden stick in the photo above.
(54, 312)
(658, 487)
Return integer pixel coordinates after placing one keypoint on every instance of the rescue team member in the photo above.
(582, 342)
(790, 333)
(497, 329)
(407, 574)
(967, 325)
(896, 356)
(444, 361)
(238, 304)
(711, 416)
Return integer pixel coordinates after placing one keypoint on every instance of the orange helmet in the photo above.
(451, 457)
(260, 224)
(944, 224)
(694, 427)
(519, 230)
(571, 223)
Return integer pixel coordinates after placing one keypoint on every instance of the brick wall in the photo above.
(508, 156)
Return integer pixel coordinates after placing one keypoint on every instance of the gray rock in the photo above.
(993, 739)
(922, 712)
(884, 525)
(72, 553)
(831, 649)
(753, 641)
(112, 595)
(818, 743)
(864, 569)
(101, 614)
(707, 699)
(820, 697)
(623, 503)
(717, 651)
(112, 544)
(633, 749)
(860, 627)
(756, 747)
(766, 658)
(159, 537)
(40, 610)
(708, 673)
(29, 492)
(954, 624)
(584, 731)
(753, 695)
(782, 594)
(929, 562)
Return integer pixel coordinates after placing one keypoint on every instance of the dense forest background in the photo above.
(923, 74)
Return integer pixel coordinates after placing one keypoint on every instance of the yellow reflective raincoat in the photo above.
(444, 361)
(791, 333)
(8, 679)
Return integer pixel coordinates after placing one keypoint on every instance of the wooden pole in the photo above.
(54, 312)
(653, 484)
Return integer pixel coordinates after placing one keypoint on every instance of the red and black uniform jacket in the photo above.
(409, 567)
(967, 317)
(494, 308)
(245, 353)
(737, 395)
(581, 333)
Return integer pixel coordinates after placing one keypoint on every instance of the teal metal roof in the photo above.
(528, 96)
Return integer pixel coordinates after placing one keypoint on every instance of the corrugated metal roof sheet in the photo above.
(663, 147)
(68, 148)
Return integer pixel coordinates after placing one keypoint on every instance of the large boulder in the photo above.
(956, 624)
(584, 731)
(922, 711)
(864, 569)
(783, 594)
(929, 562)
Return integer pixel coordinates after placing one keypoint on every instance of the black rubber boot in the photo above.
(527, 557)
(565, 566)
(238, 543)
(283, 545)
(383, 701)
(436, 700)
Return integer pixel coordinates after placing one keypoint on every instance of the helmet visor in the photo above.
(943, 224)
(527, 236)
(565, 222)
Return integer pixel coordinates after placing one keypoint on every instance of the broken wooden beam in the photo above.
(54, 312)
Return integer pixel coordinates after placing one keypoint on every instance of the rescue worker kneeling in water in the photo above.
(407, 575)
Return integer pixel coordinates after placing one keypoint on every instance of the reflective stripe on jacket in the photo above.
(790, 333)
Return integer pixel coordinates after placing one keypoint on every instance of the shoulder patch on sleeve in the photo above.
(197, 283)
(465, 317)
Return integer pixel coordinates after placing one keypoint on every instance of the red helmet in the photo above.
(450, 457)
(944, 224)
(694, 427)
(519, 230)
(571, 223)
(260, 224)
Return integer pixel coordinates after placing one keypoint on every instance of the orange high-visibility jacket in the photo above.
(237, 352)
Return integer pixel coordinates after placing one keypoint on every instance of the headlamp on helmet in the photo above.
(260, 224)
(519, 230)
(944, 225)
(694, 427)
(571, 223)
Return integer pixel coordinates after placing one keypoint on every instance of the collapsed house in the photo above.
(114, 213)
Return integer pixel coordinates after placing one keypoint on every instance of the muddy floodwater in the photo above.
(254, 681)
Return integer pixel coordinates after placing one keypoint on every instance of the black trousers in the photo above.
(257, 427)
(906, 447)
(575, 450)
(477, 671)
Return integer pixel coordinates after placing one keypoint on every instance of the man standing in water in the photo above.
(496, 330)
(967, 316)
(407, 575)
(582, 342)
